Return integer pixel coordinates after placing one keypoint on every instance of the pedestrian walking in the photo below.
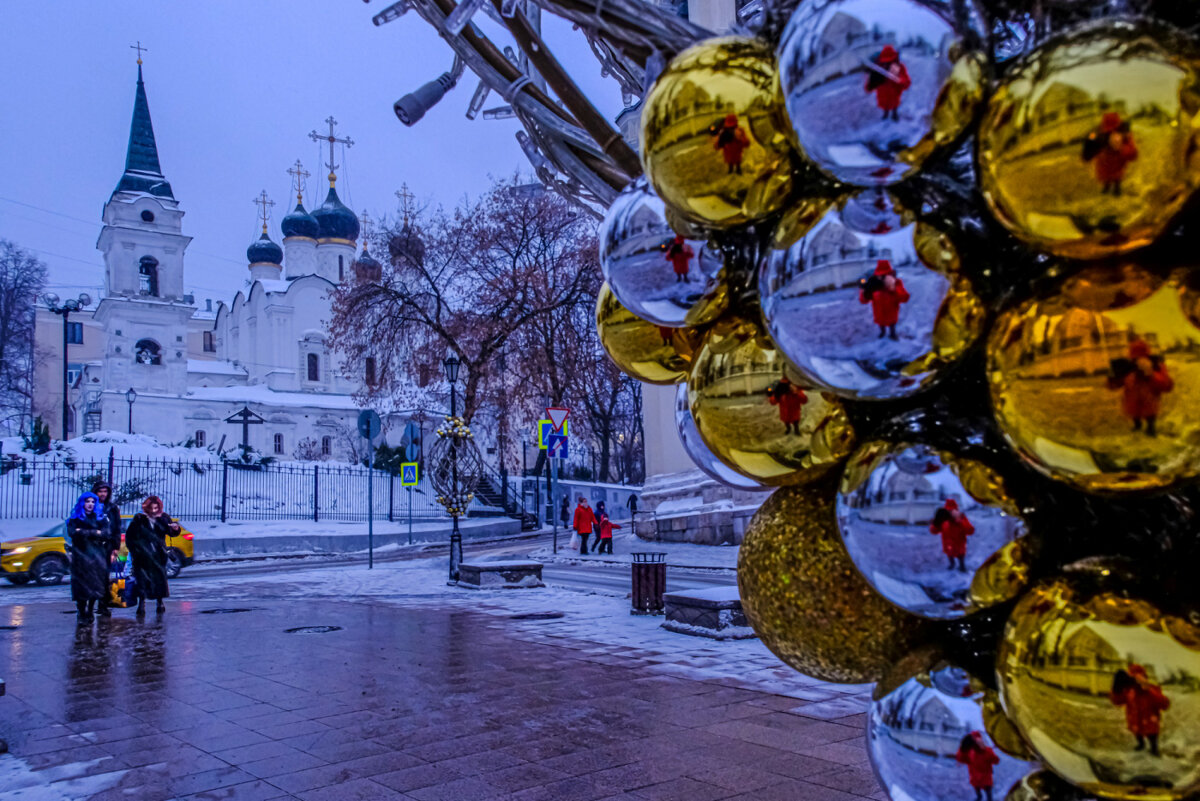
(90, 555)
(632, 503)
(147, 543)
(888, 79)
(680, 253)
(980, 761)
(884, 291)
(1143, 380)
(112, 519)
(1110, 148)
(601, 513)
(1144, 703)
(585, 520)
(604, 534)
(790, 399)
(731, 140)
(952, 525)
(564, 512)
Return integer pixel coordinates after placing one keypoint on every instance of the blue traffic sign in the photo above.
(369, 424)
(546, 429)
(408, 474)
(556, 446)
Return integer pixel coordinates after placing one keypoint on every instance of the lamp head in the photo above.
(84, 299)
(50, 299)
(451, 363)
(130, 395)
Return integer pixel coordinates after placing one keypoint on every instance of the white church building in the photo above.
(192, 368)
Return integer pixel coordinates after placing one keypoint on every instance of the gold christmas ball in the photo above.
(1042, 785)
(648, 352)
(714, 140)
(1095, 384)
(1092, 145)
(1102, 688)
(756, 414)
(806, 601)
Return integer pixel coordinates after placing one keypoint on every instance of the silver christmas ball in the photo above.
(655, 273)
(874, 87)
(867, 302)
(700, 454)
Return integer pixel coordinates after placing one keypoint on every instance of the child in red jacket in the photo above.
(980, 760)
(953, 526)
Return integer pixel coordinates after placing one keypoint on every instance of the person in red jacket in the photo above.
(1144, 704)
(885, 292)
(731, 140)
(583, 523)
(604, 529)
(1110, 148)
(1143, 382)
(790, 399)
(888, 79)
(953, 527)
(680, 253)
(980, 760)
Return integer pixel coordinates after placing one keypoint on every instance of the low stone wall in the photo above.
(691, 507)
(715, 613)
(500, 575)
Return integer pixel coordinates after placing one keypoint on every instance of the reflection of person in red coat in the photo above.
(979, 759)
(1144, 704)
(953, 526)
(790, 399)
(885, 292)
(666, 334)
(731, 140)
(1110, 147)
(584, 522)
(680, 253)
(888, 79)
(1143, 380)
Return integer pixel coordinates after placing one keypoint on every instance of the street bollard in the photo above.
(649, 583)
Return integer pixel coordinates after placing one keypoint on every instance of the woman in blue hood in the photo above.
(89, 533)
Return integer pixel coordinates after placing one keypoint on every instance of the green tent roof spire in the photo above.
(142, 170)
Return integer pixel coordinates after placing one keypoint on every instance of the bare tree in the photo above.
(22, 278)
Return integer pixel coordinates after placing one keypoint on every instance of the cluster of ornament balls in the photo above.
(456, 428)
(1049, 192)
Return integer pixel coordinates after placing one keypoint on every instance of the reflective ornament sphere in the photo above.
(928, 741)
(936, 534)
(874, 87)
(1092, 145)
(1105, 686)
(648, 352)
(806, 601)
(865, 301)
(657, 274)
(700, 455)
(1096, 384)
(1042, 785)
(713, 137)
(757, 415)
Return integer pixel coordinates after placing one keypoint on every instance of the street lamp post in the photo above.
(64, 310)
(451, 365)
(130, 397)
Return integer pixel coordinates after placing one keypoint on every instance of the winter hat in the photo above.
(888, 53)
(730, 120)
(884, 267)
(951, 504)
(1137, 671)
(1110, 122)
(79, 512)
(153, 499)
(99, 485)
(1139, 350)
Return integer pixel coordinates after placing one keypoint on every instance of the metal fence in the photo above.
(218, 490)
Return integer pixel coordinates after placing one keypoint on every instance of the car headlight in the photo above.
(22, 549)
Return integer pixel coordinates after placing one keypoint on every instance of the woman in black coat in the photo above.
(90, 553)
(146, 539)
(112, 517)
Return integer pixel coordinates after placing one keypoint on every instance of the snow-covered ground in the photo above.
(679, 554)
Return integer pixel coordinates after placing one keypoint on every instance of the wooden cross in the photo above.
(138, 47)
(247, 418)
(263, 204)
(332, 140)
(299, 174)
(406, 199)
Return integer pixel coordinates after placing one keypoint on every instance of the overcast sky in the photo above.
(234, 88)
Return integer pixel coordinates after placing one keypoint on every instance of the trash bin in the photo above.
(649, 583)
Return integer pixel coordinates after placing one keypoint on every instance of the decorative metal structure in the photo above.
(455, 465)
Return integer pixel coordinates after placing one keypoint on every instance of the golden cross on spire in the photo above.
(299, 174)
(332, 140)
(366, 227)
(406, 199)
(138, 47)
(264, 211)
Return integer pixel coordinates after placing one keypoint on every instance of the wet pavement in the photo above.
(382, 702)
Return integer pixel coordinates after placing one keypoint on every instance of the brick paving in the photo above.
(409, 702)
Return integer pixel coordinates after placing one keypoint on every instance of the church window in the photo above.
(148, 276)
(279, 443)
(146, 351)
(200, 438)
(147, 216)
(74, 333)
(341, 269)
(370, 370)
(210, 342)
(314, 367)
(326, 446)
(70, 419)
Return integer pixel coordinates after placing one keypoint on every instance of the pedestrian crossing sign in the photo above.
(408, 474)
(546, 428)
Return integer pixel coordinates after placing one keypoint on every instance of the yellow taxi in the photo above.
(44, 558)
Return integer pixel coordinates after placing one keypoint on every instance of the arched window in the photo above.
(326, 446)
(279, 443)
(200, 438)
(148, 276)
(341, 269)
(370, 370)
(314, 367)
(147, 351)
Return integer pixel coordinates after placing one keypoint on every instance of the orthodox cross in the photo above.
(247, 418)
(406, 199)
(299, 174)
(332, 140)
(138, 47)
(264, 204)
(366, 226)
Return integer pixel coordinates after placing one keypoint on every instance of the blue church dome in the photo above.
(335, 220)
(264, 250)
(367, 268)
(300, 223)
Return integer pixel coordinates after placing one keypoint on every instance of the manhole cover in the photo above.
(223, 611)
(313, 629)
(537, 616)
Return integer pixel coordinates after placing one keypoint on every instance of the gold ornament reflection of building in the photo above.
(1102, 690)
(1095, 385)
(713, 138)
(1092, 145)
(805, 599)
(648, 352)
(755, 413)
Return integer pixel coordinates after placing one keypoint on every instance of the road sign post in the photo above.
(409, 476)
(369, 426)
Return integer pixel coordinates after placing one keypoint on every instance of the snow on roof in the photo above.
(214, 367)
(274, 284)
(259, 393)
